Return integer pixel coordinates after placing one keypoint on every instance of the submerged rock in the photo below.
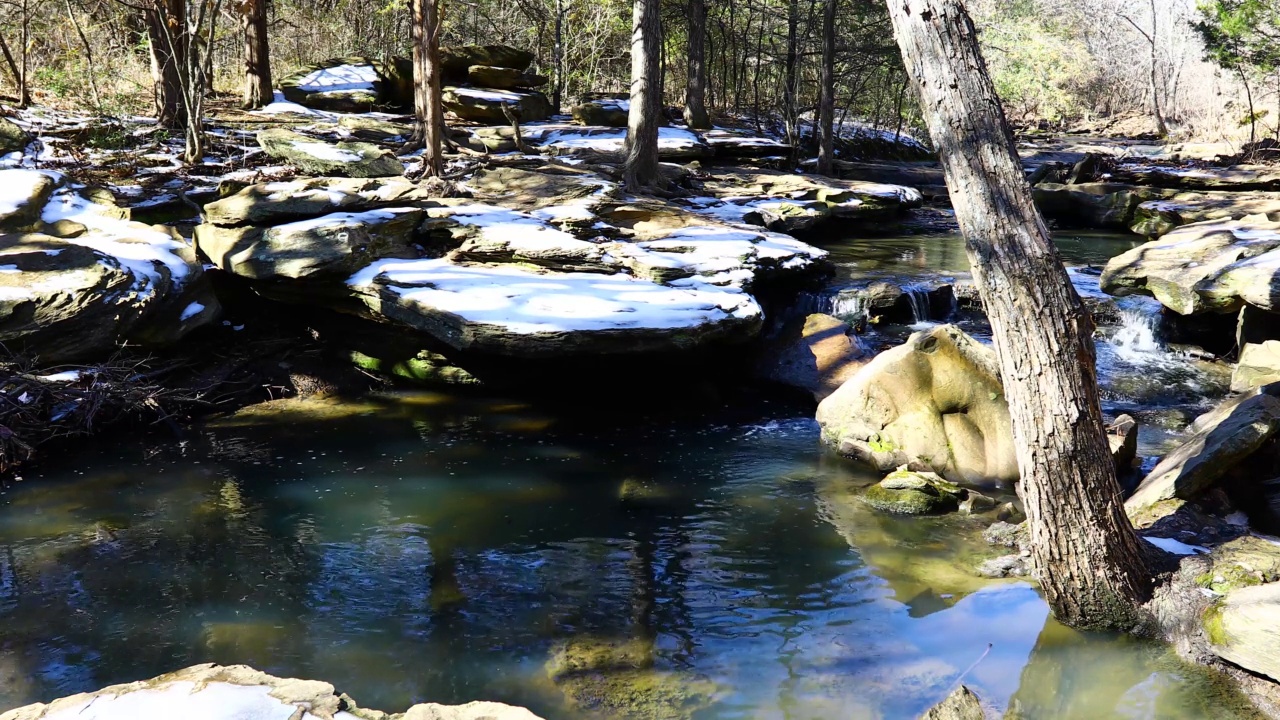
(618, 679)
(961, 704)
(906, 492)
(817, 353)
(934, 401)
(317, 157)
(235, 692)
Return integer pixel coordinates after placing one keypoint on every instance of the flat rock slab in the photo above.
(337, 159)
(276, 202)
(1259, 365)
(1221, 439)
(1213, 266)
(1095, 205)
(1154, 218)
(787, 202)
(317, 157)
(350, 84)
(513, 311)
(1235, 178)
(733, 143)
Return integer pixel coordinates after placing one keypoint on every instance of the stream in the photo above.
(432, 546)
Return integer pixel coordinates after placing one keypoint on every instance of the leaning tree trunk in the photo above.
(19, 83)
(257, 55)
(426, 85)
(791, 79)
(827, 100)
(640, 166)
(167, 36)
(1084, 551)
(695, 100)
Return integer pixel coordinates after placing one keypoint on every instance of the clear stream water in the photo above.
(428, 546)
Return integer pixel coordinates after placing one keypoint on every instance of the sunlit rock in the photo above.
(318, 157)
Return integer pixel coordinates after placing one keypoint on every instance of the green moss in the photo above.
(425, 367)
(1211, 621)
(881, 445)
(909, 502)
(617, 679)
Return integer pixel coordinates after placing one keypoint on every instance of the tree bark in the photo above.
(640, 166)
(426, 85)
(827, 100)
(695, 101)
(791, 79)
(167, 36)
(1084, 551)
(258, 89)
(24, 96)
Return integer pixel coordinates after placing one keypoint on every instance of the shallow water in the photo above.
(432, 547)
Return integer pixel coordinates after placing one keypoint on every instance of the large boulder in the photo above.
(487, 106)
(317, 157)
(935, 401)
(12, 137)
(1220, 440)
(90, 280)
(239, 691)
(1213, 266)
(1095, 205)
(350, 84)
(503, 78)
(788, 202)
(609, 112)
(817, 353)
(1235, 178)
(1244, 629)
(456, 61)
(23, 198)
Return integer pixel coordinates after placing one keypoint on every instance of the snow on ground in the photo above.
(525, 302)
(280, 106)
(1175, 547)
(211, 701)
(325, 151)
(340, 78)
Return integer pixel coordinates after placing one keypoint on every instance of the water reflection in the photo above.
(404, 549)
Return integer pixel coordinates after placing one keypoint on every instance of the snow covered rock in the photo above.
(674, 143)
(1154, 218)
(485, 105)
(238, 692)
(275, 202)
(351, 84)
(788, 202)
(1214, 266)
(936, 400)
(89, 279)
(1235, 178)
(730, 143)
(23, 196)
(512, 311)
(331, 245)
(607, 111)
(344, 159)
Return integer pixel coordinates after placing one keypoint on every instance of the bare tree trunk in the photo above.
(167, 36)
(559, 53)
(640, 166)
(258, 90)
(791, 79)
(695, 100)
(1086, 555)
(426, 85)
(88, 56)
(827, 100)
(24, 96)
(24, 78)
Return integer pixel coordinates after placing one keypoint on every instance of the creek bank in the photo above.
(237, 691)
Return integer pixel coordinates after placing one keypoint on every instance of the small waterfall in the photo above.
(1136, 339)
(848, 305)
(919, 299)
